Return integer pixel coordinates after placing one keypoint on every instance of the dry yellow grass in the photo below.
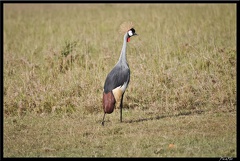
(182, 90)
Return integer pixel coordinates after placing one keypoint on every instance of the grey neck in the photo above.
(123, 57)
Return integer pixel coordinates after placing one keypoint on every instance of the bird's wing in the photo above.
(117, 77)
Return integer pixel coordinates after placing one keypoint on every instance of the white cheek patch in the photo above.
(130, 33)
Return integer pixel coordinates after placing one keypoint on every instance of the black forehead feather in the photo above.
(133, 30)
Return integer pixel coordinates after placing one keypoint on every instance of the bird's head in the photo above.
(131, 33)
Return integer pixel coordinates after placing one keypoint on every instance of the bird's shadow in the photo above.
(165, 116)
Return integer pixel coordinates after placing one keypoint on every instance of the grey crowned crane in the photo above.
(117, 80)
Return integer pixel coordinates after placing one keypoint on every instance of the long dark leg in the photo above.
(121, 106)
(103, 119)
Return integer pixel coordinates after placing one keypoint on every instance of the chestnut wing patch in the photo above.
(108, 102)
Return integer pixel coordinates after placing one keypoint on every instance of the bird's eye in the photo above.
(130, 33)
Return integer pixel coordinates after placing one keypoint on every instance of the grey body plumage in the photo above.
(117, 77)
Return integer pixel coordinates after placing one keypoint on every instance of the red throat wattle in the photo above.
(128, 39)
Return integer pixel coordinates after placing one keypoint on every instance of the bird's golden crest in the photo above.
(125, 26)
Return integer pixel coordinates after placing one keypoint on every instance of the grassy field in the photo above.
(181, 100)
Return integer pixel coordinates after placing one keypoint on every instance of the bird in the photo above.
(117, 80)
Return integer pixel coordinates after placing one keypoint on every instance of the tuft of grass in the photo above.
(69, 46)
(67, 58)
(180, 100)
